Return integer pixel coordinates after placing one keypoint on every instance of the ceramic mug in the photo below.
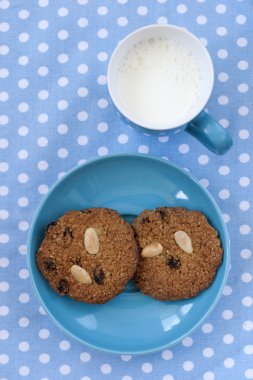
(183, 78)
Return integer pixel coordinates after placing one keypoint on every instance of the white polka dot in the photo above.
(221, 8)
(4, 286)
(243, 87)
(64, 345)
(243, 111)
(4, 190)
(62, 104)
(126, 377)
(4, 334)
(43, 94)
(63, 34)
(82, 116)
(82, 69)
(102, 11)
(82, 92)
(24, 37)
(23, 83)
(187, 342)
(4, 96)
(82, 22)
(102, 127)
(64, 369)
(42, 141)
(62, 153)
(143, 149)
(142, 10)
(24, 370)
(22, 249)
(245, 253)
(4, 143)
(182, 8)
(247, 301)
(62, 129)
(242, 42)
(167, 377)
(183, 148)
(4, 262)
(4, 119)
(4, 238)
(207, 328)
(63, 81)
(62, 12)
(229, 363)
(147, 367)
(122, 1)
(223, 100)
(224, 170)
(244, 229)
(43, 118)
(43, 3)
(43, 71)
(43, 24)
(23, 322)
(208, 376)
(244, 158)
(82, 2)
(23, 178)
(224, 123)
(23, 154)
(244, 181)
(24, 273)
(244, 134)
(222, 53)
(4, 359)
(228, 338)
(227, 291)
(4, 167)
(188, 365)
(4, 214)
(4, 4)
(43, 47)
(82, 140)
(126, 358)
(224, 194)
(122, 21)
(163, 139)
(44, 334)
(63, 58)
(247, 325)
(241, 19)
(102, 151)
(167, 355)
(102, 56)
(246, 277)
(244, 205)
(221, 31)
(223, 77)
(102, 79)
(24, 298)
(85, 378)
(23, 107)
(122, 138)
(106, 369)
(249, 373)
(44, 358)
(227, 314)
(23, 346)
(201, 20)
(43, 189)
(208, 352)
(4, 27)
(23, 202)
(4, 73)
(4, 49)
(248, 349)
(162, 20)
(23, 14)
(23, 60)
(242, 65)
(102, 103)
(42, 165)
(85, 357)
(203, 159)
(82, 45)
(102, 33)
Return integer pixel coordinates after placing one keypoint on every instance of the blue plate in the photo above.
(130, 323)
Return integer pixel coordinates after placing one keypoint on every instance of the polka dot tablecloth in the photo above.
(55, 114)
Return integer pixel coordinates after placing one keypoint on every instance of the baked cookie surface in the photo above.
(180, 253)
(88, 255)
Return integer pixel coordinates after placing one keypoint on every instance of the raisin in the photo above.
(145, 220)
(68, 232)
(51, 225)
(173, 263)
(49, 265)
(99, 276)
(163, 214)
(63, 286)
(85, 210)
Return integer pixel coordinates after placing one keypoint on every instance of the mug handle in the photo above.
(210, 133)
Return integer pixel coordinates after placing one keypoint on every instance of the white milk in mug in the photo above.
(158, 80)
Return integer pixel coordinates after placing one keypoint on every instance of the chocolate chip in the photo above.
(51, 225)
(68, 232)
(49, 265)
(85, 210)
(145, 220)
(163, 213)
(173, 263)
(99, 276)
(63, 286)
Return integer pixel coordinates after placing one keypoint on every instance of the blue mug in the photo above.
(193, 119)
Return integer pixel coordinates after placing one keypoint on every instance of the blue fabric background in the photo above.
(55, 114)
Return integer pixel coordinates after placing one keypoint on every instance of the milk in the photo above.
(158, 81)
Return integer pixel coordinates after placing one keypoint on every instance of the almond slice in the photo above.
(152, 250)
(80, 274)
(91, 241)
(183, 240)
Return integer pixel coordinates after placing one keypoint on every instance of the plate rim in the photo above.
(135, 156)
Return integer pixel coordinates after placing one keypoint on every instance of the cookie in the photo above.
(180, 255)
(88, 255)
